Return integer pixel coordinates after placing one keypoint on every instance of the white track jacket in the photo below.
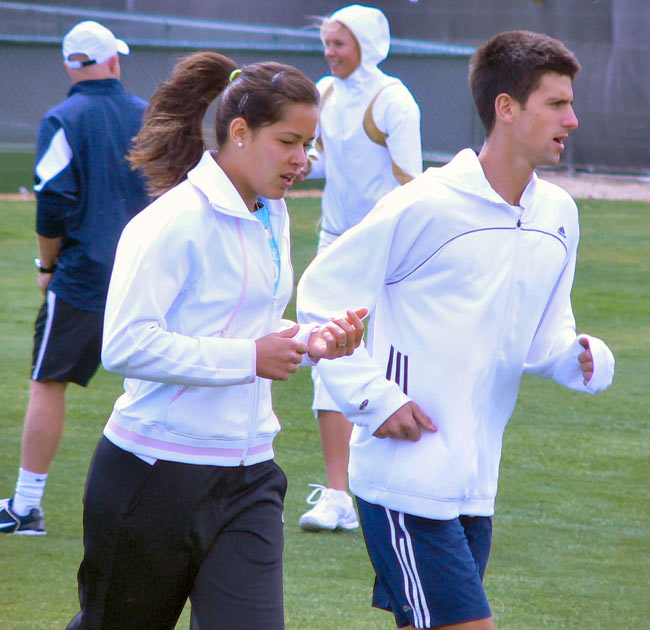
(358, 171)
(469, 292)
(192, 288)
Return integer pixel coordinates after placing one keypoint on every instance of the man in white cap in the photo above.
(86, 193)
(90, 43)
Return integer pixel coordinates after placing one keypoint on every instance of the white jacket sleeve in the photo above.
(555, 348)
(349, 274)
(397, 114)
(152, 269)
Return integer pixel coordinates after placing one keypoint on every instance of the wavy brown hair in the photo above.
(171, 141)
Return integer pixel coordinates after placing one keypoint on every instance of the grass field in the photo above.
(571, 541)
(16, 170)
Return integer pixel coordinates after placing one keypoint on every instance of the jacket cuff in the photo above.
(372, 412)
(604, 364)
(306, 330)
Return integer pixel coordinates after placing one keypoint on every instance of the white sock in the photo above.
(29, 491)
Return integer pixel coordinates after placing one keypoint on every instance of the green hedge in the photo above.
(16, 171)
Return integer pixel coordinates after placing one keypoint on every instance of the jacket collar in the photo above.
(96, 86)
(465, 173)
(208, 177)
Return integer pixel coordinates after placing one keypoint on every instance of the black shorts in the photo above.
(67, 343)
(156, 535)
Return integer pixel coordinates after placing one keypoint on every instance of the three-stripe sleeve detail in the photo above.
(397, 368)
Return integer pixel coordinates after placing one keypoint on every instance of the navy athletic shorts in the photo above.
(67, 343)
(428, 573)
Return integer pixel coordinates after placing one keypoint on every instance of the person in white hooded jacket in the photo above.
(469, 282)
(367, 144)
(183, 498)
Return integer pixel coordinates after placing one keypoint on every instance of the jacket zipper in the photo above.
(471, 481)
(252, 421)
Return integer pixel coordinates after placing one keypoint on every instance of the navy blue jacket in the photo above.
(86, 192)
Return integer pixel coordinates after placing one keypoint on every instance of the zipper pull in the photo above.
(518, 223)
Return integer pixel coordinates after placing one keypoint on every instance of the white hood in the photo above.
(370, 27)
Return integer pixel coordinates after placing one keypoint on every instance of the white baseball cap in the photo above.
(93, 40)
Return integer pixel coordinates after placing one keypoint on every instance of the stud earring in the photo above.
(240, 144)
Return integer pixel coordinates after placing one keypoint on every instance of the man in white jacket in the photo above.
(468, 270)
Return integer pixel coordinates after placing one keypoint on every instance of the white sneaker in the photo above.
(333, 509)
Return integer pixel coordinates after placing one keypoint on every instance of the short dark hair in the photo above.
(513, 62)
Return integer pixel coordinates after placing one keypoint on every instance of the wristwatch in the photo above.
(41, 269)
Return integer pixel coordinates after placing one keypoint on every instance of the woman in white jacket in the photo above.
(183, 498)
(368, 143)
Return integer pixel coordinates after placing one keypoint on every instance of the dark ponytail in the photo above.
(171, 142)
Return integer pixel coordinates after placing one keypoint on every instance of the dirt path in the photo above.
(593, 186)
(581, 185)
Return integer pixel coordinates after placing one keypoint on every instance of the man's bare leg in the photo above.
(43, 425)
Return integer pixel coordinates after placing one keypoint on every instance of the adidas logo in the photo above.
(562, 232)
